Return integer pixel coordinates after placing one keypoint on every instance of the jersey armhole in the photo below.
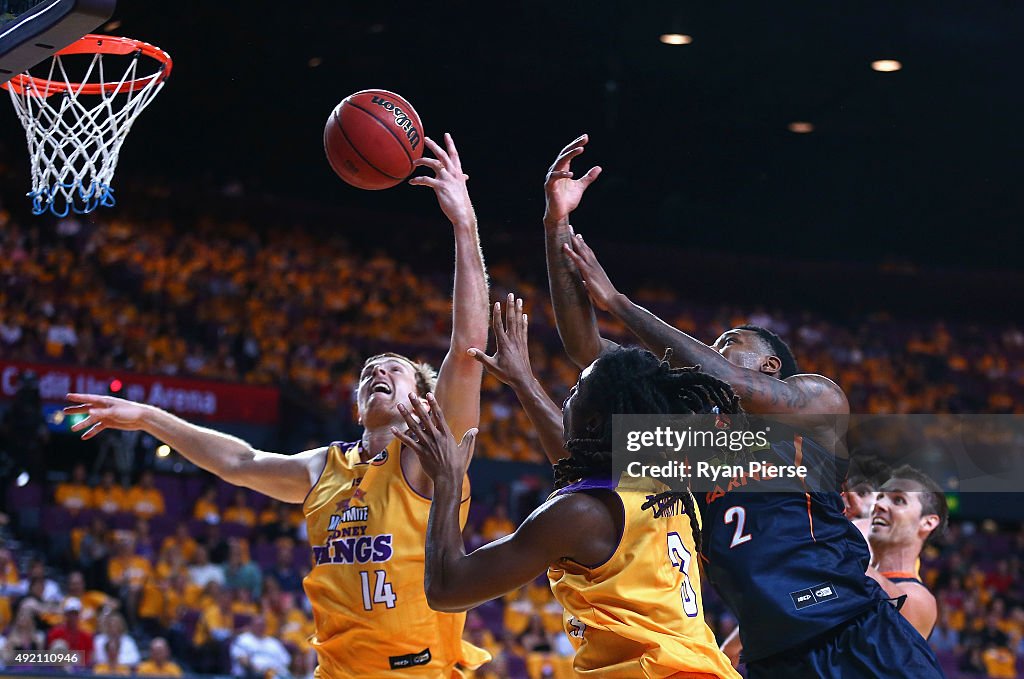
(595, 492)
(327, 461)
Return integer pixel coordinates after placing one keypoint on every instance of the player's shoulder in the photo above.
(587, 507)
(583, 525)
(821, 392)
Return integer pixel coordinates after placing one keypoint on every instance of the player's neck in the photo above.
(896, 558)
(375, 440)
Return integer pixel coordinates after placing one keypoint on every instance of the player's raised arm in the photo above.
(455, 581)
(283, 477)
(511, 364)
(755, 384)
(574, 315)
(458, 382)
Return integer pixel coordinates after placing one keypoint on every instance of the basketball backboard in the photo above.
(32, 30)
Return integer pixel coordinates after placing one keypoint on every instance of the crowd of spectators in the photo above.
(303, 310)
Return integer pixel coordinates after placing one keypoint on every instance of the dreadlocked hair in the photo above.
(633, 381)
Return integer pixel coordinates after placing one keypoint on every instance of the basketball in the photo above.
(372, 138)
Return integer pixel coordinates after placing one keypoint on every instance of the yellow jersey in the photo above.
(367, 529)
(639, 613)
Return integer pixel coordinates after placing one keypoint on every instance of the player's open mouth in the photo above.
(878, 521)
(380, 388)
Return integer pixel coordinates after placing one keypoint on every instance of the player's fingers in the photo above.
(592, 174)
(578, 141)
(438, 415)
(486, 361)
(526, 330)
(439, 152)
(84, 424)
(410, 421)
(510, 314)
(407, 441)
(100, 426)
(433, 163)
(425, 181)
(84, 398)
(468, 442)
(453, 152)
(517, 319)
(562, 162)
(584, 250)
(426, 424)
(496, 324)
(74, 410)
(581, 265)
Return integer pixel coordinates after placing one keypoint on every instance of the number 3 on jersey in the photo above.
(679, 557)
(382, 591)
(739, 515)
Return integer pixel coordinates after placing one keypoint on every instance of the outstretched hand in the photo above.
(595, 278)
(511, 360)
(430, 438)
(448, 182)
(561, 192)
(105, 412)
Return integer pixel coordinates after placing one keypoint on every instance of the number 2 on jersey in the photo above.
(679, 557)
(738, 514)
(382, 590)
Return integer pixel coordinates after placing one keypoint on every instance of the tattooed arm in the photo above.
(574, 315)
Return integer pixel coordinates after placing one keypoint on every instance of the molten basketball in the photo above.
(372, 138)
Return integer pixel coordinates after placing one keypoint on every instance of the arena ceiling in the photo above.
(922, 164)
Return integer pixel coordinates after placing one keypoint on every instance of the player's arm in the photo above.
(458, 382)
(456, 581)
(732, 646)
(511, 364)
(574, 314)
(919, 608)
(283, 477)
(761, 393)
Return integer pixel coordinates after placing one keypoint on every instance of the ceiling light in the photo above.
(676, 39)
(163, 450)
(886, 65)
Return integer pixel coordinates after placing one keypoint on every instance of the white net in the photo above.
(75, 130)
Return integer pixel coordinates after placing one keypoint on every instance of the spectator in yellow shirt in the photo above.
(128, 572)
(497, 525)
(183, 540)
(159, 663)
(145, 500)
(10, 578)
(75, 495)
(239, 511)
(110, 665)
(206, 508)
(94, 603)
(109, 497)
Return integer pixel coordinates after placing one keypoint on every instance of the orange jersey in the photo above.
(73, 496)
(110, 500)
(639, 614)
(145, 502)
(367, 529)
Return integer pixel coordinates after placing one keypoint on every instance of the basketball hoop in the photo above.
(75, 128)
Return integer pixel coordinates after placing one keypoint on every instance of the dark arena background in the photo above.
(762, 171)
